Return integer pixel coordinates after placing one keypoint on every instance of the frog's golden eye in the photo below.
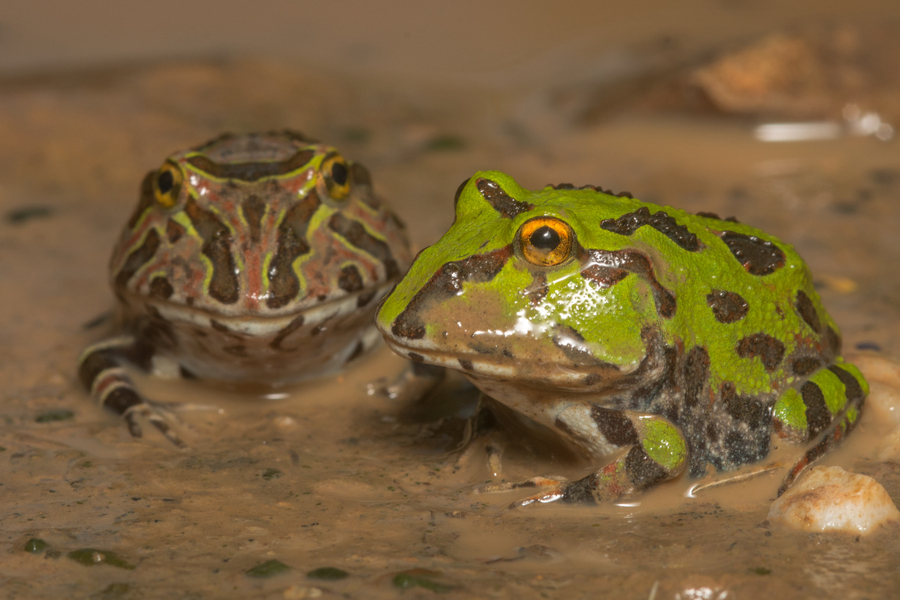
(546, 241)
(336, 176)
(167, 184)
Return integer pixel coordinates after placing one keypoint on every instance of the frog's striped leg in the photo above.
(827, 406)
(102, 372)
(650, 448)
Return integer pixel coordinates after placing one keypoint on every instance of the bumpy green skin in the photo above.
(692, 321)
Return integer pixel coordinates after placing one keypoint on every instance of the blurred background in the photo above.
(499, 42)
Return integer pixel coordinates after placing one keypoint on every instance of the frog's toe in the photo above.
(550, 489)
(159, 417)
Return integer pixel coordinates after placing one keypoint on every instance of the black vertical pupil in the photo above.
(339, 173)
(545, 238)
(165, 182)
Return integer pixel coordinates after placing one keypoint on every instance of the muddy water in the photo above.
(325, 475)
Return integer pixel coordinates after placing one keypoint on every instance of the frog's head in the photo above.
(525, 286)
(266, 224)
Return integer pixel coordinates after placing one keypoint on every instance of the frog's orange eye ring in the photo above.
(167, 184)
(336, 176)
(545, 241)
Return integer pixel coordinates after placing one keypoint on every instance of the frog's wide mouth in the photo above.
(262, 325)
(499, 366)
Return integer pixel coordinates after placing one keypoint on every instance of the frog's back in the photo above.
(753, 346)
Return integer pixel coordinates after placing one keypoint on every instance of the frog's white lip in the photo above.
(478, 365)
(263, 325)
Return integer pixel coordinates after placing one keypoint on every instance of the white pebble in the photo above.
(832, 499)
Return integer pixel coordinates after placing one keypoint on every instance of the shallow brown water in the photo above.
(330, 476)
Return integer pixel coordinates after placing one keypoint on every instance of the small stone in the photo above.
(832, 499)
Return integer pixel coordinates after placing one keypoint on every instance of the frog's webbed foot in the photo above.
(101, 372)
(550, 489)
(414, 382)
(159, 417)
(649, 449)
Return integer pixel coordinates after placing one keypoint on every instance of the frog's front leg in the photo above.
(101, 370)
(649, 449)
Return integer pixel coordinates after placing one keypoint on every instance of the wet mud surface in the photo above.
(328, 476)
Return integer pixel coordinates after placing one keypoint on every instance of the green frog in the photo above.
(651, 340)
(258, 257)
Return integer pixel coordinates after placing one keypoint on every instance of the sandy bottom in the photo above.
(328, 476)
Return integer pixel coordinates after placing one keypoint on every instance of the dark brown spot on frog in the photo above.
(138, 258)
(604, 266)
(807, 311)
(818, 417)
(595, 188)
(356, 235)
(616, 426)
(806, 365)
(251, 171)
(350, 279)
(465, 364)
(746, 409)
(223, 285)
(119, 400)
(852, 388)
(446, 283)
(290, 328)
(604, 277)
(661, 221)
(502, 202)
(253, 208)
(727, 307)
(695, 373)
(160, 288)
(174, 231)
(146, 200)
(769, 350)
(284, 285)
(712, 215)
(642, 470)
(415, 357)
(712, 433)
(757, 256)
